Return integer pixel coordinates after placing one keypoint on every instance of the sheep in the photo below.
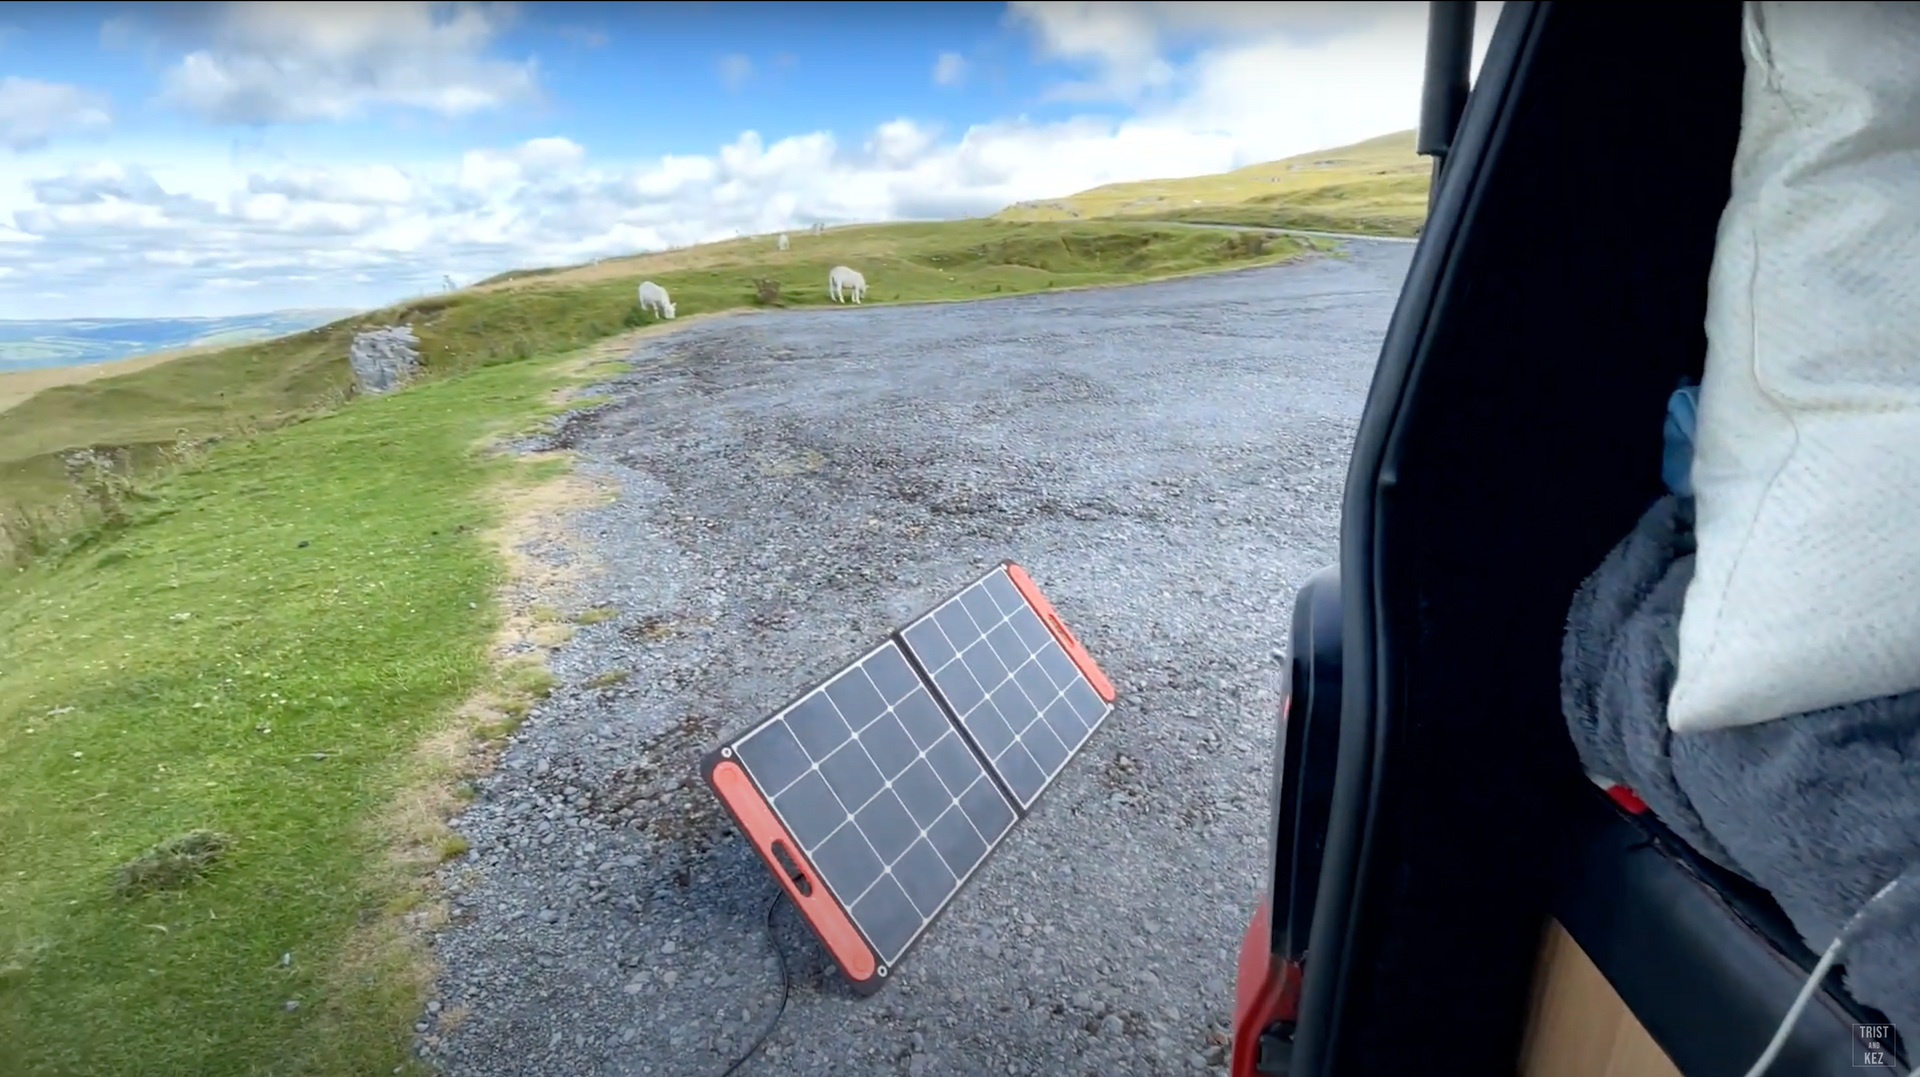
(782, 244)
(842, 282)
(654, 298)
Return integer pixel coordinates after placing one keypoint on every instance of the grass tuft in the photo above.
(607, 678)
(529, 678)
(171, 865)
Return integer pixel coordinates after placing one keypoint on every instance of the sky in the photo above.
(210, 159)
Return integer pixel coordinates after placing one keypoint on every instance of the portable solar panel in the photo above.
(875, 796)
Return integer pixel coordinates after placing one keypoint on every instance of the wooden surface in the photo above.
(1579, 1027)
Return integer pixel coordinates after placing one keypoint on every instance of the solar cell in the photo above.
(881, 795)
(1012, 684)
(873, 806)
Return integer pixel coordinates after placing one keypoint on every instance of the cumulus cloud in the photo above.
(950, 69)
(1270, 80)
(294, 62)
(1319, 50)
(34, 112)
(483, 170)
(313, 235)
(310, 233)
(1120, 40)
(375, 185)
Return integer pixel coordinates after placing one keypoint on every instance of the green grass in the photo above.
(260, 385)
(1376, 187)
(256, 657)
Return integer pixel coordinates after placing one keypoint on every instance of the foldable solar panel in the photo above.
(875, 796)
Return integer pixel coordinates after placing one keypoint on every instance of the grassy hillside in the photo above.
(146, 412)
(1376, 187)
(231, 729)
(17, 386)
(34, 345)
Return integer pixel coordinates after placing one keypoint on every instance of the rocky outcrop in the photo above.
(384, 358)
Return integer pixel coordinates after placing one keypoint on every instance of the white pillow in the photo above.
(1806, 588)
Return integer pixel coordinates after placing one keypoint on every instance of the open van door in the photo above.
(1448, 891)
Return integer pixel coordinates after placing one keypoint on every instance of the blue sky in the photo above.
(217, 158)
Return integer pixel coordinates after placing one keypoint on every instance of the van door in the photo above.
(1510, 438)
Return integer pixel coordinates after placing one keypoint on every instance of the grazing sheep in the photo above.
(654, 298)
(842, 282)
(783, 241)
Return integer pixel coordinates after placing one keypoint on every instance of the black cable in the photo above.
(786, 988)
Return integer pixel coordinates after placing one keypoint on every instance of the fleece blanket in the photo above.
(1821, 809)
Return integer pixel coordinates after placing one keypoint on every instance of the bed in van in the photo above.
(1452, 888)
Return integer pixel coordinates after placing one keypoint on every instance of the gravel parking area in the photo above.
(1166, 460)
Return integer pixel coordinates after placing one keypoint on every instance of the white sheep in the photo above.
(783, 241)
(842, 282)
(654, 298)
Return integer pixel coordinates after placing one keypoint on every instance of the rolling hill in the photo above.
(37, 345)
(1376, 187)
(145, 405)
(214, 376)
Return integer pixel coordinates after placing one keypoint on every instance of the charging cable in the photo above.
(1909, 880)
(786, 989)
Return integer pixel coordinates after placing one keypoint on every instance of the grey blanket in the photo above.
(1820, 809)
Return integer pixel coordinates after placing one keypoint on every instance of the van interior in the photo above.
(1526, 913)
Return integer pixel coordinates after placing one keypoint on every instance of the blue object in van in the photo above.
(1676, 458)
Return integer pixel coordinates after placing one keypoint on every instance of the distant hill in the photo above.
(36, 345)
(1376, 187)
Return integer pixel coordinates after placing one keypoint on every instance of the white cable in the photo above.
(1779, 1041)
(1827, 961)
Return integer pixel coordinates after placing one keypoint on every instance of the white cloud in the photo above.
(173, 236)
(489, 170)
(1318, 51)
(373, 185)
(1266, 80)
(735, 70)
(1122, 40)
(296, 62)
(950, 69)
(33, 112)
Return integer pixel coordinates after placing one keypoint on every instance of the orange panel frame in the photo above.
(1088, 667)
(809, 895)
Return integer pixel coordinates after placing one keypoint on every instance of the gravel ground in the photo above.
(1165, 459)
